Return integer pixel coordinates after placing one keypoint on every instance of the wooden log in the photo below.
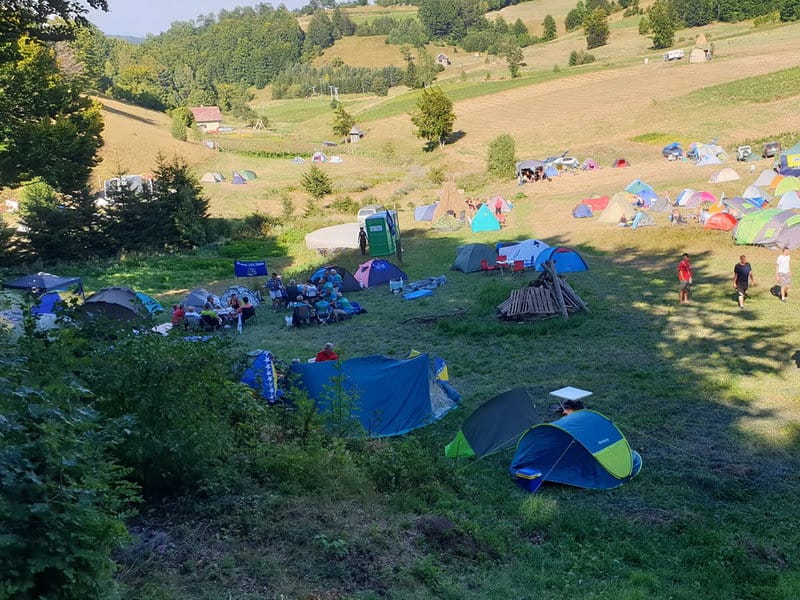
(550, 267)
(578, 300)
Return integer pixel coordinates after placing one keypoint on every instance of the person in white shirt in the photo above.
(783, 272)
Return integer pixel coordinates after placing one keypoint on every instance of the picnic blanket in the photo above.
(429, 283)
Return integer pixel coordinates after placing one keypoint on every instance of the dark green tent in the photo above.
(496, 425)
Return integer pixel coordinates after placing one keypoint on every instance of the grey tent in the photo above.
(240, 291)
(496, 425)
(661, 205)
(39, 283)
(641, 219)
(119, 303)
(469, 256)
(198, 297)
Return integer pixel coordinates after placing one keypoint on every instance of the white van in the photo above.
(368, 211)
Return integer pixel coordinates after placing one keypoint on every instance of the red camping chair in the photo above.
(486, 267)
(519, 266)
(502, 261)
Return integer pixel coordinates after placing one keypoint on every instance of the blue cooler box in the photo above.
(529, 479)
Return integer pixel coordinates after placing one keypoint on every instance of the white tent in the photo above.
(723, 175)
(789, 200)
(765, 178)
(527, 251)
(331, 238)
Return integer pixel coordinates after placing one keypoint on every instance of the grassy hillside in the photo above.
(707, 393)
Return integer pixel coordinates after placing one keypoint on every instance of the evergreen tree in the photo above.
(549, 26)
(575, 17)
(434, 116)
(320, 31)
(49, 128)
(316, 182)
(343, 26)
(178, 197)
(342, 121)
(595, 28)
(379, 85)
(519, 28)
(661, 23)
(501, 160)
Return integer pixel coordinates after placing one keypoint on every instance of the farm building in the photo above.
(208, 118)
(355, 134)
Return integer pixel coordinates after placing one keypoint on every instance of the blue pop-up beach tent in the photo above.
(583, 449)
(389, 396)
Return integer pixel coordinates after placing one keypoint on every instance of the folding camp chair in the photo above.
(486, 267)
(324, 312)
(518, 267)
(301, 315)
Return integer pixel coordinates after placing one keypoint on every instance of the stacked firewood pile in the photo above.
(545, 297)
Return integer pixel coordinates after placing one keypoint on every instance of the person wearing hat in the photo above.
(326, 353)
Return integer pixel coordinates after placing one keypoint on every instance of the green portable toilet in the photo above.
(382, 233)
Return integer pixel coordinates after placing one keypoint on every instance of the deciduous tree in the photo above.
(434, 116)
(343, 121)
(661, 22)
(501, 160)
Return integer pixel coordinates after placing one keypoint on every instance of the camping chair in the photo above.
(486, 267)
(502, 261)
(324, 313)
(518, 267)
(191, 322)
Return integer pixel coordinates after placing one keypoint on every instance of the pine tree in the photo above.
(549, 26)
(317, 183)
(595, 28)
(342, 121)
(661, 23)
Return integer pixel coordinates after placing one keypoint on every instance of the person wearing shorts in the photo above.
(684, 279)
(742, 278)
(783, 272)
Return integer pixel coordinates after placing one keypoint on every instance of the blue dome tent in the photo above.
(566, 260)
(581, 211)
(583, 449)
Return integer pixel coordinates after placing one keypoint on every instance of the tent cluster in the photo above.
(583, 449)
(451, 211)
(624, 207)
(533, 170)
(238, 177)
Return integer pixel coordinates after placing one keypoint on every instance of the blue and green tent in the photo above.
(583, 449)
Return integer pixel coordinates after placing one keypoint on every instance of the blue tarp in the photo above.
(47, 304)
(578, 450)
(392, 396)
(566, 260)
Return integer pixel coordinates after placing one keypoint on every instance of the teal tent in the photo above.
(484, 220)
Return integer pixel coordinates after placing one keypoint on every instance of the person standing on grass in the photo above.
(685, 279)
(742, 278)
(783, 272)
(362, 241)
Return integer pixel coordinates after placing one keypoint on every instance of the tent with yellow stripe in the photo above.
(583, 449)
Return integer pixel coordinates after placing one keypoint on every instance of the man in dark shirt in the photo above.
(742, 278)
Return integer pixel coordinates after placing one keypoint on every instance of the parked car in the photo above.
(674, 149)
(368, 211)
(771, 149)
(564, 162)
(743, 153)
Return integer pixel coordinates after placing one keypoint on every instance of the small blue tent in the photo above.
(425, 213)
(389, 396)
(583, 449)
(484, 220)
(238, 178)
(566, 260)
(581, 211)
(550, 171)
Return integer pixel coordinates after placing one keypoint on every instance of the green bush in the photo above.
(436, 175)
(501, 160)
(345, 205)
(580, 57)
(63, 497)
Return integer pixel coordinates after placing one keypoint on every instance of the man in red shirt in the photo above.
(685, 278)
(326, 353)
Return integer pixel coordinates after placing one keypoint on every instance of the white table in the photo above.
(570, 393)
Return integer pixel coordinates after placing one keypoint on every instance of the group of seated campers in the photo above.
(209, 319)
(321, 304)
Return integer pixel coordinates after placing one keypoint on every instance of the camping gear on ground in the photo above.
(484, 220)
(383, 233)
(425, 213)
(39, 283)
(333, 238)
(349, 283)
(388, 396)
(447, 223)
(469, 256)
(565, 260)
(377, 271)
(723, 175)
(583, 449)
(238, 178)
(417, 294)
(299, 160)
(396, 285)
(496, 425)
(698, 198)
(721, 221)
(527, 251)
(120, 303)
(581, 211)
(429, 283)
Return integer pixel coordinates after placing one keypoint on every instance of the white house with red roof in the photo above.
(208, 118)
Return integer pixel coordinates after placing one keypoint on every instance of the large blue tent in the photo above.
(566, 260)
(583, 449)
(389, 396)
